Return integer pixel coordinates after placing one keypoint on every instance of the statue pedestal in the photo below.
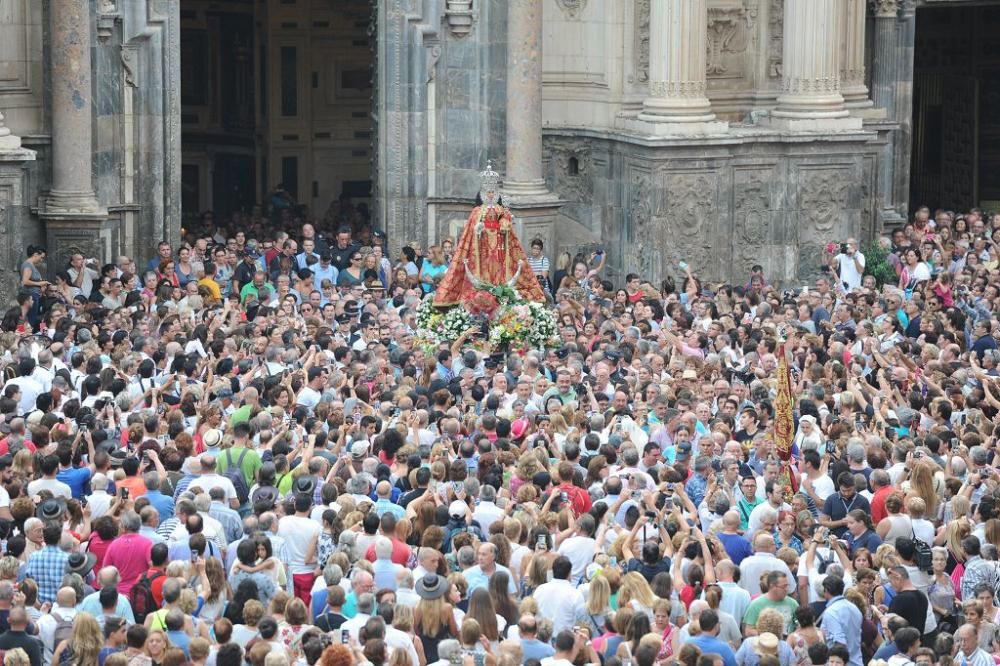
(90, 234)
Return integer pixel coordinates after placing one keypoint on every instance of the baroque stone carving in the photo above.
(572, 8)
(642, 41)
(823, 200)
(729, 30)
(776, 20)
(642, 224)
(751, 215)
(690, 200)
(884, 8)
(668, 89)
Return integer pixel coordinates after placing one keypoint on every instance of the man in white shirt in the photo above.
(849, 265)
(301, 535)
(487, 512)
(558, 599)
(210, 479)
(64, 610)
(311, 394)
(763, 560)
(99, 500)
(579, 548)
(29, 387)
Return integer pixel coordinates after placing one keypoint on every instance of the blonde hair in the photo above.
(600, 595)
(922, 484)
(634, 587)
(771, 619)
(16, 657)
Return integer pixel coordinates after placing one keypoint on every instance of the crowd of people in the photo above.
(242, 452)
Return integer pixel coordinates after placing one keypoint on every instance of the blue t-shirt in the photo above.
(712, 644)
(78, 480)
(736, 546)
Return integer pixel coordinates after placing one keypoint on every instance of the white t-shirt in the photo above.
(823, 486)
(298, 534)
(849, 273)
(56, 487)
(208, 481)
(580, 551)
(308, 397)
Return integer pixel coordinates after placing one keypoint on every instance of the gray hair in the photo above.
(366, 603)
(383, 548)
(130, 521)
(979, 455)
(856, 452)
(488, 494)
(333, 574)
(466, 556)
(449, 648)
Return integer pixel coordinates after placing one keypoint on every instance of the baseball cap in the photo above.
(457, 509)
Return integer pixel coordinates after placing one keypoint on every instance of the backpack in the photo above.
(235, 474)
(141, 597)
(64, 629)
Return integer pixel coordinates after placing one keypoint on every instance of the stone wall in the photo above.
(720, 205)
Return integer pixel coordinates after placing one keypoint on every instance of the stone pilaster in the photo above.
(524, 181)
(892, 90)
(810, 98)
(71, 211)
(14, 210)
(852, 65)
(678, 42)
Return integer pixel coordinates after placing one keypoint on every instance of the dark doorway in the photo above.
(956, 108)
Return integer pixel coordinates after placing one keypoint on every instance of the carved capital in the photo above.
(884, 8)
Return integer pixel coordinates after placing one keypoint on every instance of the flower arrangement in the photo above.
(514, 324)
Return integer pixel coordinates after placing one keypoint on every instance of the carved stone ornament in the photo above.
(107, 14)
(641, 218)
(642, 41)
(884, 8)
(728, 33)
(690, 199)
(776, 20)
(751, 213)
(572, 8)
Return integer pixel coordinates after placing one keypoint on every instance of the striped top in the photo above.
(539, 265)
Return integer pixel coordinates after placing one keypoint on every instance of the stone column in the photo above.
(524, 101)
(72, 215)
(678, 46)
(524, 189)
(72, 185)
(852, 66)
(810, 98)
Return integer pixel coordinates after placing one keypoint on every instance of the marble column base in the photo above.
(802, 122)
(83, 204)
(661, 126)
(9, 142)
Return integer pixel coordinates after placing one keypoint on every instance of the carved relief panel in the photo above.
(688, 232)
(752, 216)
(731, 38)
(826, 212)
(570, 168)
(775, 34)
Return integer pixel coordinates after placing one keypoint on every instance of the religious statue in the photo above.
(488, 253)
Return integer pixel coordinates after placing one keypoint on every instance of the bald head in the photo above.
(731, 521)
(763, 543)
(66, 597)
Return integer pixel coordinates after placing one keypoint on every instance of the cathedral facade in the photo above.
(724, 133)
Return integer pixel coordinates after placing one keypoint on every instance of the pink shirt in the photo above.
(129, 553)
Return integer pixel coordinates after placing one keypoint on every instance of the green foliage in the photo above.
(877, 264)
